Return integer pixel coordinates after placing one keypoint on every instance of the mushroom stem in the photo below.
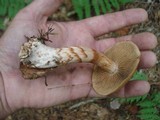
(36, 54)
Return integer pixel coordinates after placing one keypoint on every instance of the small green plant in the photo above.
(139, 75)
(149, 104)
(131, 100)
(9, 8)
(84, 8)
(149, 107)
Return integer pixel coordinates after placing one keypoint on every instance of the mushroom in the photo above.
(126, 56)
(36, 58)
(112, 69)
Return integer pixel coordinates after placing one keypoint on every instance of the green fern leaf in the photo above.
(138, 75)
(3, 10)
(123, 2)
(13, 1)
(9, 8)
(102, 5)
(7, 2)
(108, 5)
(155, 97)
(3, 2)
(132, 99)
(121, 100)
(140, 98)
(2, 27)
(151, 110)
(96, 7)
(148, 117)
(83, 7)
(143, 97)
(21, 4)
(146, 103)
(28, 1)
(12, 11)
(3, 7)
(87, 8)
(78, 6)
(115, 4)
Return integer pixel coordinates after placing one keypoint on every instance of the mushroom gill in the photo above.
(126, 56)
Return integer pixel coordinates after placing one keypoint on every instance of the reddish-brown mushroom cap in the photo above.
(126, 55)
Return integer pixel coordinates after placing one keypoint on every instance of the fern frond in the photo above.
(148, 117)
(9, 8)
(139, 75)
(115, 4)
(146, 103)
(156, 98)
(132, 100)
(96, 6)
(149, 107)
(4, 2)
(28, 1)
(3, 10)
(2, 27)
(87, 8)
(108, 5)
(11, 11)
(12, 1)
(123, 2)
(150, 110)
(78, 6)
(102, 5)
(83, 7)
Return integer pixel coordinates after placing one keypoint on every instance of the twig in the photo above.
(83, 103)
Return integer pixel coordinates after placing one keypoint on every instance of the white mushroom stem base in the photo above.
(35, 54)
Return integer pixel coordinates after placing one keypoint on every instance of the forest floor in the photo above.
(93, 108)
